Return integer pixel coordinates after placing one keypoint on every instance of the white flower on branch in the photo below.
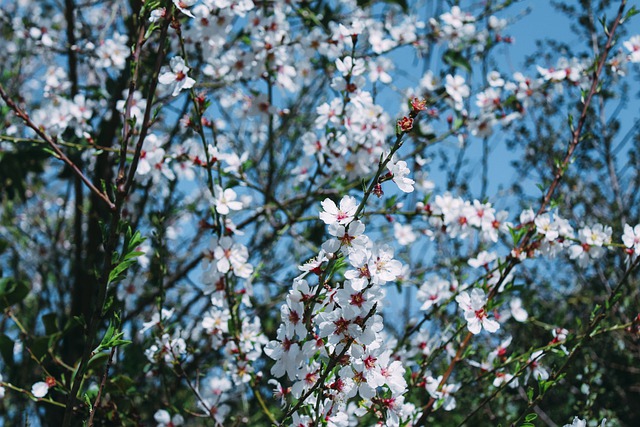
(177, 76)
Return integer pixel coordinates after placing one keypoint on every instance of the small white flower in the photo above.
(164, 419)
(577, 422)
(399, 171)
(350, 66)
(633, 46)
(518, 313)
(40, 389)
(404, 234)
(184, 5)
(341, 215)
(457, 89)
(177, 76)
(631, 238)
(475, 313)
(226, 200)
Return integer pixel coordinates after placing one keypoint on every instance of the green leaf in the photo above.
(630, 13)
(456, 60)
(39, 347)
(517, 234)
(112, 337)
(97, 360)
(50, 322)
(12, 292)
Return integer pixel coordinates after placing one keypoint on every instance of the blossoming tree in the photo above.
(239, 212)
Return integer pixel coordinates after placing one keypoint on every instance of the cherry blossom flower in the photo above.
(287, 355)
(156, 319)
(137, 105)
(457, 89)
(483, 259)
(538, 371)
(341, 215)
(445, 397)
(350, 240)
(494, 79)
(314, 264)
(546, 228)
(154, 163)
(577, 422)
(157, 14)
(404, 234)
(216, 324)
(307, 375)
(164, 419)
(631, 238)
(433, 291)
(225, 200)
(378, 70)
(591, 244)
(177, 76)
(41, 388)
(517, 311)
(279, 391)
(356, 301)
(505, 378)
(399, 172)
(231, 255)
(350, 66)
(456, 18)
(166, 348)
(113, 52)
(475, 312)
(184, 5)
(633, 46)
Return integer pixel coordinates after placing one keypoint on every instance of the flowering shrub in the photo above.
(221, 212)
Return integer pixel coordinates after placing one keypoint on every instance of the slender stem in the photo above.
(102, 383)
(123, 188)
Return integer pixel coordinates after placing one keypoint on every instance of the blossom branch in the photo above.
(575, 139)
(102, 383)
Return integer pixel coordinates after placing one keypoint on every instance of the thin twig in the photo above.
(102, 383)
(54, 146)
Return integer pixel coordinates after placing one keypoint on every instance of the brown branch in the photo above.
(126, 131)
(54, 146)
(122, 190)
(102, 383)
(124, 186)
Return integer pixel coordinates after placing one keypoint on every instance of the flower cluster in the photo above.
(330, 342)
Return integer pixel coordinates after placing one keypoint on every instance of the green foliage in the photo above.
(12, 292)
(112, 337)
(121, 262)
